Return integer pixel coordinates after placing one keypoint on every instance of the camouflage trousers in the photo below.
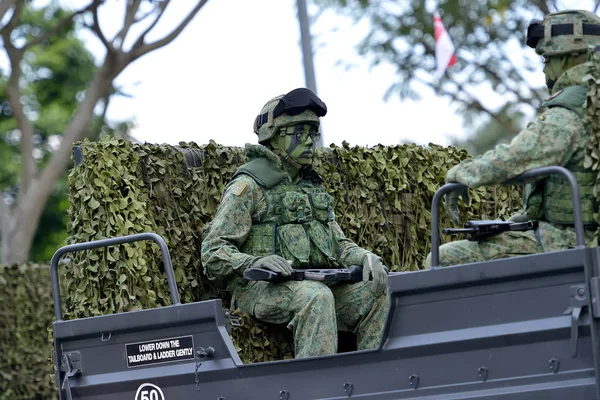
(548, 237)
(507, 244)
(314, 312)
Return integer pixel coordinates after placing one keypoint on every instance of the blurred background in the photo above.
(371, 61)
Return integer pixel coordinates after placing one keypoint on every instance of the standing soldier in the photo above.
(557, 137)
(276, 215)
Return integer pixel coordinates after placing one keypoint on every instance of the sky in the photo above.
(235, 55)
(212, 81)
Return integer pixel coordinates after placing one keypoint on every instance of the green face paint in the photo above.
(553, 68)
(298, 142)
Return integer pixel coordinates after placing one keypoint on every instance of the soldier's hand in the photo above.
(520, 217)
(373, 268)
(274, 263)
(451, 203)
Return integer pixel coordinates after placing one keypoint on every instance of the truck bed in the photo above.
(517, 328)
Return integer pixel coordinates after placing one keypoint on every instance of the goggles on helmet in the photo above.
(294, 103)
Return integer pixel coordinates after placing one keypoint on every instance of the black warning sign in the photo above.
(160, 351)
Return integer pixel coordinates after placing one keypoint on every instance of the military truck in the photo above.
(518, 328)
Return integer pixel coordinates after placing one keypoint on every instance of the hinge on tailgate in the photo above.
(595, 293)
(71, 366)
(232, 320)
(577, 301)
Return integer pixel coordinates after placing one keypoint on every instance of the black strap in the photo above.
(293, 103)
(536, 32)
(263, 118)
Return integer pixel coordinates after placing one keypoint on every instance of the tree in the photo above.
(489, 36)
(489, 134)
(54, 73)
(19, 219)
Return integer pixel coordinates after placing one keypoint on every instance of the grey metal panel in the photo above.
(443, 329)
(558, 262)
(144, 319)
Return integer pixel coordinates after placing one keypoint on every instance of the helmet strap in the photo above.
(284, 155)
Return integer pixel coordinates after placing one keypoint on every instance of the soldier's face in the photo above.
(298, 142)
(553, 68)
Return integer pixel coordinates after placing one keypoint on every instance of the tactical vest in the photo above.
(550, 199)
(296, 225)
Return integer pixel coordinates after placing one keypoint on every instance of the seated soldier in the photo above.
(276, 215)
(558, 136)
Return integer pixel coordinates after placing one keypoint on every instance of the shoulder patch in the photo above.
(239, 188)
(554, 95)
(571, 98)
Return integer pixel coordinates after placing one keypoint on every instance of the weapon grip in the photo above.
(260, 274)
(355, 273)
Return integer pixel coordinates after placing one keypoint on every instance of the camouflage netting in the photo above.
(383, 199)
(592, 158)
(26, 315)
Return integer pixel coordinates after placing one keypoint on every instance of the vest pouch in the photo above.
(533, 199)
(295, 208)
(261, 240)
(322, 246)
(321, 239)
(322, 207)
(294, 244)
(558, 206)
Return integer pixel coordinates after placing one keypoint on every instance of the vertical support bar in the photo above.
(435, 220)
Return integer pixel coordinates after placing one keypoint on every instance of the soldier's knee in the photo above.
(314, 292)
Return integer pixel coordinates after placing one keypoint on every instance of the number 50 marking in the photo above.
(148, 391)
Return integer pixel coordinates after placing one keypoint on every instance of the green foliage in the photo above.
(26, 314)
(52, 231)
(107, 200)
(257, 341)
(384, 195)
(383, 199)
(489, 38)
(592, 158)
(490, 133)
(55, 74)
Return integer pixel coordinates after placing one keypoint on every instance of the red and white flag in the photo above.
(444, 49)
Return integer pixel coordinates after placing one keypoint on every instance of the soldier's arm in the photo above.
(349, 252)
(550, 140)
(230, 228)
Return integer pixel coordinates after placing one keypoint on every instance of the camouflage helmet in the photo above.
(299, 105)
(564, 32)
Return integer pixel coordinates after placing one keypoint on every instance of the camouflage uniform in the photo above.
(557, 137)
(253, 220)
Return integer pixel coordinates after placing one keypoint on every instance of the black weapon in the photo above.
(477, 230)
(352, 274)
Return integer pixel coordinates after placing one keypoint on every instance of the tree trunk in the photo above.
(19, 227)
(16, 244)
(21, 221)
